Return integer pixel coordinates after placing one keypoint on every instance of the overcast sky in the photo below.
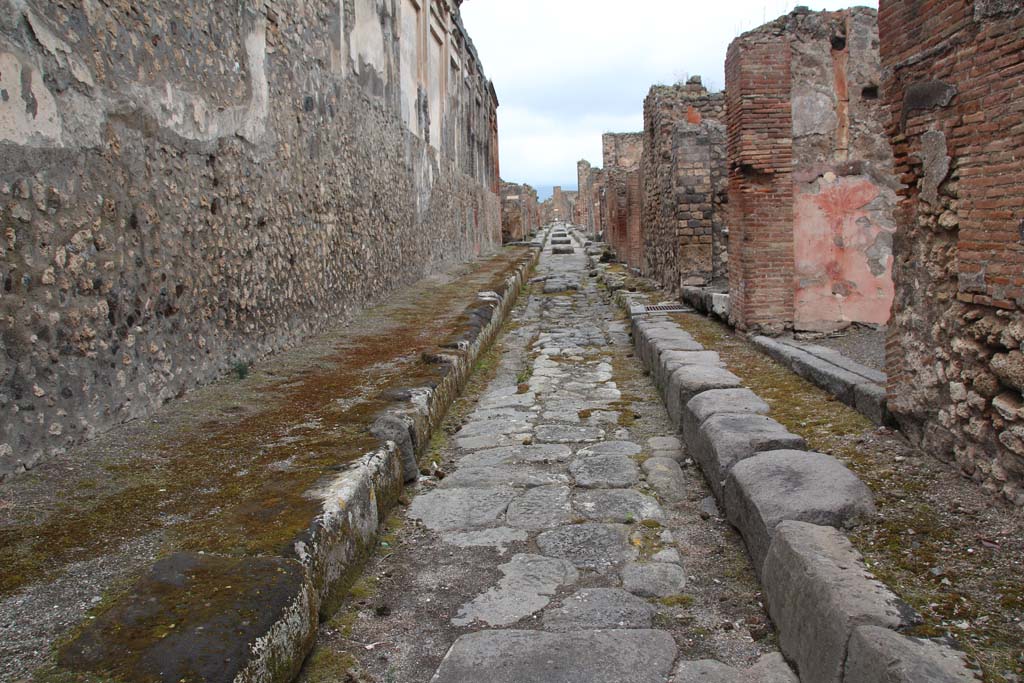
(567, 71)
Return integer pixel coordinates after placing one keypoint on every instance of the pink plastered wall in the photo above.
(843, 251)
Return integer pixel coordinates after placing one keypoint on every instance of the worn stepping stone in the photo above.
(545, 507)
(561, 433)
(520, 453)
(465, 508)
(509, 656)
(617, 505)
(528, 584)
(600, 608)
(604, 471)
(770, 668)
(501, 475)
(589, 545)
(653, 579)
(611, 448)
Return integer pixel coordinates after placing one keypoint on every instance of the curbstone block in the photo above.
(817, 592)
(708, 403)
(878, 655)
(725, 439)
(690, 380)
(670, 361)
(775, 486)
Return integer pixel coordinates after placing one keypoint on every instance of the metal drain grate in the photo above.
(668, 308)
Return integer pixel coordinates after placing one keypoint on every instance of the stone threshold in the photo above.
(209, 616)
(836, 622)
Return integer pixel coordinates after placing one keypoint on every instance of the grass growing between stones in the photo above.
(939, 542)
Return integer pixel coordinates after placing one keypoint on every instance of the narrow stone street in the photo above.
(564, 536)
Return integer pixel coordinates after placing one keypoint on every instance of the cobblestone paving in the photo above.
(571, 540)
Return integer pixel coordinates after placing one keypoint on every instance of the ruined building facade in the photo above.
(590, 199)
(560, 206)
(189, 185)
(811, 188)
(622, 197)
(685, 183)
(520, 211)
(955, 104)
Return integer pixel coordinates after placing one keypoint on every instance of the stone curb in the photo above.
(818, 591)
(328, 554)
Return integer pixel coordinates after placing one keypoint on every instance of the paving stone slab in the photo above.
(604, 471)
(519, 453)
(472, 443)
(507, 401)
(725, 439)
(603, 608)
(216, 633)
(704, 405)
(522, 476)
(878, 655)
(666, 477)
(770, 668)
(489, 427)
(589, 545)
(817, 591)
(614, 656)
(690, 380)
(495, 537)
(617, 505)
(528, 583)
(562, 250)
(561, 433)
(459, 509)
(774, 486)
(653, 579)
(545, 507)
(610, 448)
(664, 443)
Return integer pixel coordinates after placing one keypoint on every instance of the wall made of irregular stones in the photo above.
(189, 185)
(836, 176)
(956, 122)
(684, 185)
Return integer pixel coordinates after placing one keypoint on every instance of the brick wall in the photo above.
(955, 100)
(760, 156)
(811, 182)
(684, 185)
(622, 195)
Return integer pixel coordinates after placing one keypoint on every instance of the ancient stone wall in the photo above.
(956, 122)
(560, 206)
(684, 185)
(590, 199)
(520, 211)
(190, 185)
(811, 184)
(622, 196)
